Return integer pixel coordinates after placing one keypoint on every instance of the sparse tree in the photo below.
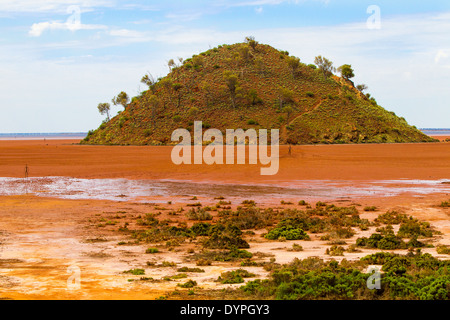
(177, 89)
(244, 53)
(104, 109)
(150, 81)
(346, 71)
(285, 96)
(260, 66)
(325, 65)
(121, 99)
(253, 97)
(206, 88)
(171, 64)
(288, 110)
(362, 87)
(153, 102)
(192, 112)
(294, 64)
(167, 83)
(231, 81)
(197, 62)
(250, 40)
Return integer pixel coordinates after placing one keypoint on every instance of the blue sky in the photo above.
(59, 59)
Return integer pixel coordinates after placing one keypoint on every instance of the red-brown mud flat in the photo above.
(428, 161)
(43, 239)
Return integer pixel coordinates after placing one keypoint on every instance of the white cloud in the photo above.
(126, 33)
(59, 6)
(442, 54)
(142, 21)
(259, 10)
(37, 29)
(250, 3)
(184, 17)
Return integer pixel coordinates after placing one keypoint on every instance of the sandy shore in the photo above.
(43, 239)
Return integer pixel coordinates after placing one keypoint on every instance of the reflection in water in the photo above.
(124, 189)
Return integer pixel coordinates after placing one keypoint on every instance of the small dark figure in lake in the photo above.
(26, 178)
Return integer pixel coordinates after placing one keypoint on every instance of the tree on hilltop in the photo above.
(231, 81)
(154, 103)
(177, 88)
(362, 87)
(285, 96)
(294, 64)
(171, 63)
(288, 110)
(121, 99)
(198, 62)
(346, 71)
(167, 83)
(104, 108)
(207, 91)
(250, 40)
(253, 97)
(244, 53)
(324, 65)
(150, 81)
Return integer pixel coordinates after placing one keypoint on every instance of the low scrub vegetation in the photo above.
(236, 276)
(414, 276)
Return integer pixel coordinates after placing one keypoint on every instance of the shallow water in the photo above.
(124, 189)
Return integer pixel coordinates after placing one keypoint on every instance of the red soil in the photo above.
(324, 162)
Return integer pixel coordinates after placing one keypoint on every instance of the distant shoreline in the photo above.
(42, 136)
(82, 135)
(436, 132)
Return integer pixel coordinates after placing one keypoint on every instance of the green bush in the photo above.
(249, 218)
(335, 251)
(152, 250)
(236, 276)
(376, 240)
(391, 217)
(413, 227)
(249, 203)
(288, 233)
(186, 269)
(417, 276)
(188, 284)
(445, 204)
(136, 272)
(201, 229)
(443, 249)
(296, 247)
(232, 254)
(225, 237)
(200, 214)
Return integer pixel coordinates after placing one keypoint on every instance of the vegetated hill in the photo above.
(244, 86)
